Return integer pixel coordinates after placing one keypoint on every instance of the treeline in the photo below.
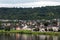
(48, 12)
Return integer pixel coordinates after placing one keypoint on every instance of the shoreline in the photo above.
(30, 32)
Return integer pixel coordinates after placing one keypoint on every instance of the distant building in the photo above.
(17, 28)
(55, 28)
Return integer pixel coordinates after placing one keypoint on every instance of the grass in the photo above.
(30, 32)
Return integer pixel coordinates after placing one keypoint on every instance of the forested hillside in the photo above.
(47, 12)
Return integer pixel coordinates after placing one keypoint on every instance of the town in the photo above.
(33, 25)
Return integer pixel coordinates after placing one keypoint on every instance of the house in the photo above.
(55, 28)
(6, 24)
(26, 27)
(52, 28)
(17, 28)
(42, 30)
(49, 28)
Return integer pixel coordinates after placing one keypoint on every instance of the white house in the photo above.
(55, 28)
(26, 27)
(42, 30)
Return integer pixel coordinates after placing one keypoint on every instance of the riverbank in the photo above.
(30, 32)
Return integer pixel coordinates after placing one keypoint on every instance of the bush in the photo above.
(45, 29)
(7, 29)
(36, 29)
(51, 29)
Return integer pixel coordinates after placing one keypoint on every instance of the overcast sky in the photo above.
(28, 3)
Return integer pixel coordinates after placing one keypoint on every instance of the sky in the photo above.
(28, 3)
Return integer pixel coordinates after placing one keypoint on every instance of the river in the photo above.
(17, 36)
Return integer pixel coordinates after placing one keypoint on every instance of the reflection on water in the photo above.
(18, 36)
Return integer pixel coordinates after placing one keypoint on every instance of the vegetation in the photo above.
(30, 32)
(48, 12)
(36, 29)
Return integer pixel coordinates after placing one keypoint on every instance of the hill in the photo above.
(48, 12)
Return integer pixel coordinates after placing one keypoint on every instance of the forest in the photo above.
(48, 12)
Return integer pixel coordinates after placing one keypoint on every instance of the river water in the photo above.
(18, 36)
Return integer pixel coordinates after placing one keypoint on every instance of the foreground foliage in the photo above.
(30, 32)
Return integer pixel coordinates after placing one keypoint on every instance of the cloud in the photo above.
(32, 4)
(16, 1)
(23, 1)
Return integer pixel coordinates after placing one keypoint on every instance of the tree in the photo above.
(46, 23)
(7, 28)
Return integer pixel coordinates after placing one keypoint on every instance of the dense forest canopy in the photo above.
(48, 12)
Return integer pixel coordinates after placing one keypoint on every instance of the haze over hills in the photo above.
(48, 12)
